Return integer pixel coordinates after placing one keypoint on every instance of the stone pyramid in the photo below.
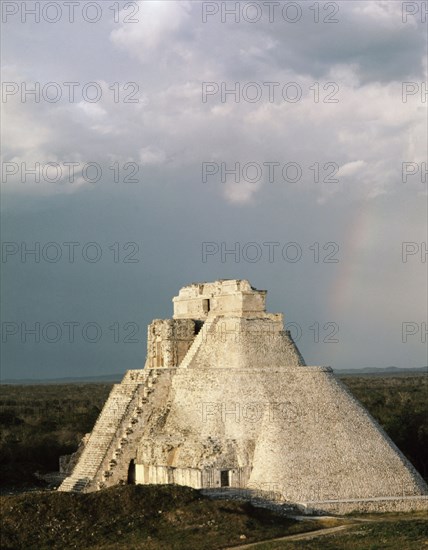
(226, 402)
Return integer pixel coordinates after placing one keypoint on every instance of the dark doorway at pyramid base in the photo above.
(224, 478)
(131, 473)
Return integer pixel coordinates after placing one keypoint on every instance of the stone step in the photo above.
(208, 327)
(102, 436)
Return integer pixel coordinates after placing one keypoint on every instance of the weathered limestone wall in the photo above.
(375, 505)
(168, 341)
(236, 342)
(192, 477)
(296, 428)
(333, 449)
(235, 297)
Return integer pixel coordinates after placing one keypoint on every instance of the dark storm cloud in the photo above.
(170, 212)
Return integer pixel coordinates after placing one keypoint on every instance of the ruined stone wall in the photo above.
(235, 297)
(168, 341)
(191, 477)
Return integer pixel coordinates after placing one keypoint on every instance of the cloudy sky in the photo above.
(122, 129)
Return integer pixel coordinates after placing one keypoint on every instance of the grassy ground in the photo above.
(40, 423)
(157, 517)
(128, 517)
(404, 534)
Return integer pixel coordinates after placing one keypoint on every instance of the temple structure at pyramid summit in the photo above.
(225, 400)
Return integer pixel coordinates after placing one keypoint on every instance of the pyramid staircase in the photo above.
(120, 405)
(114, 438)
(124, 447)
(208, 329)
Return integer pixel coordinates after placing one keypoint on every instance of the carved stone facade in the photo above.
(168, 341)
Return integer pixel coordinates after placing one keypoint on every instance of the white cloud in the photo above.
(351, 168)
(242, 192)
(92, 110)
(158, 23)
(152, 156)
(381, 12)
(170, 53)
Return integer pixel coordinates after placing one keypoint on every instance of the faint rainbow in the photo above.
(345, 288)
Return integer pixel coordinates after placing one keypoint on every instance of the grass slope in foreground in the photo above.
(136, 516)
(158, 517)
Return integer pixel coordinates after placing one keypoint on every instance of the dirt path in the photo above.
(301, 536)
